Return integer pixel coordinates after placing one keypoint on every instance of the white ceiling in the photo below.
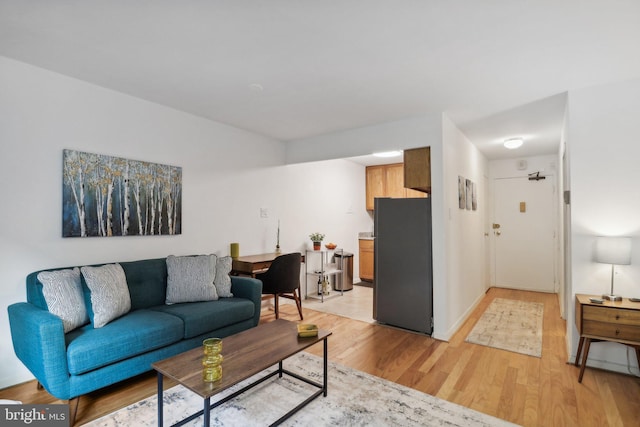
(498, 68)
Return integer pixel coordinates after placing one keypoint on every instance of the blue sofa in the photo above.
(85, 359)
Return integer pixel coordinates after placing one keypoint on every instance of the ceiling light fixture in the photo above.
(388, 154)
(513, 143)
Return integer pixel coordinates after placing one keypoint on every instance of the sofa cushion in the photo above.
(62, 291)
(138, 332)
(147, 281)
(190, 278)
(223, 280)
(109, 293)
(206, 316)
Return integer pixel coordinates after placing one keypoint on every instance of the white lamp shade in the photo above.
(613, 250)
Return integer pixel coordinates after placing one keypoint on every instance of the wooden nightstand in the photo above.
(615, 321)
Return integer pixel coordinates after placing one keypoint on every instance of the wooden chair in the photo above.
(282, 279)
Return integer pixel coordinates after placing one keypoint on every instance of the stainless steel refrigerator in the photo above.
(403, 279)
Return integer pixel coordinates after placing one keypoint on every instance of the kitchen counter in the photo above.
(365, 235)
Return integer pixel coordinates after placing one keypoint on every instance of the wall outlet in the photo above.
(264, 213)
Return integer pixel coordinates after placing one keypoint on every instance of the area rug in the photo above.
(354, 399)
(510, 325)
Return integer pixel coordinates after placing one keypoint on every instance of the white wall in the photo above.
(411, 132)
(464, 240)
(228, 175)
(603, 133)
(328, 197)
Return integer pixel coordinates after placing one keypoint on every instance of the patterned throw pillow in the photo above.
(223, 281)
(62, 291)
(190, 278)
(110, 297)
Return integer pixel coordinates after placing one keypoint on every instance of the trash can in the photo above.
(344, 262)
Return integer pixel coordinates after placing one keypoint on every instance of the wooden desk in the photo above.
(614, 321)
(250, 265)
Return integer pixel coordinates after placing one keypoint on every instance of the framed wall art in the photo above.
(111, 196)
(467, 194)
(462, 192)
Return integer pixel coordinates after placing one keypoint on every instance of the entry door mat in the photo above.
(354, 398)
(510, 325)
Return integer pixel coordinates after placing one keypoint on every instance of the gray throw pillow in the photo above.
(223, 281)
(190, 278)
(62, 291)
(110, 297)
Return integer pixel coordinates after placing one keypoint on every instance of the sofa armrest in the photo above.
(249, 288)
(39, 342)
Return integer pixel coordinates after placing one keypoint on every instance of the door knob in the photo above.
(498, 233)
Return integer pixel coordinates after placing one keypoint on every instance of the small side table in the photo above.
(613, 321)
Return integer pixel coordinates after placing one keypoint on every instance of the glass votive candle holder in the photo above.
(212, 346)
(212, 368)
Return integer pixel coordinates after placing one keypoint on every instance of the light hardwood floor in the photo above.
(525, 390)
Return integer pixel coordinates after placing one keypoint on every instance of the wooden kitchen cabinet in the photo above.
(375, 184)
(366, 259)
(417, 169)
(387, 181)
(414, 194)
(394, 180)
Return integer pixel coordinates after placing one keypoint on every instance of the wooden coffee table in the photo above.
(245, 354)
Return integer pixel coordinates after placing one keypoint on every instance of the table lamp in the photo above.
(614, 251)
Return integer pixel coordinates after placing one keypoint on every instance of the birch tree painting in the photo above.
(111, 196)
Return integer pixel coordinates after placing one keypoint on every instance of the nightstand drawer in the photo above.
(619, 316)
(611, 330)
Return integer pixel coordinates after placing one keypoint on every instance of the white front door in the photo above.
(524, 234)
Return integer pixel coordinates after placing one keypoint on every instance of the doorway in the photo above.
(524, 234)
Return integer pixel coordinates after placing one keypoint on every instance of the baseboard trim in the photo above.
(608, 366)
(456, 326)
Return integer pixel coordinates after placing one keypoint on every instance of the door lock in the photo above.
(496, 226)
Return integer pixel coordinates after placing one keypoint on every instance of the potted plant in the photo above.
(316, 238)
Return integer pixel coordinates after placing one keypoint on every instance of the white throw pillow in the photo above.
(190, 278)
(223, 281)
(62, 290)
(110, 297)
